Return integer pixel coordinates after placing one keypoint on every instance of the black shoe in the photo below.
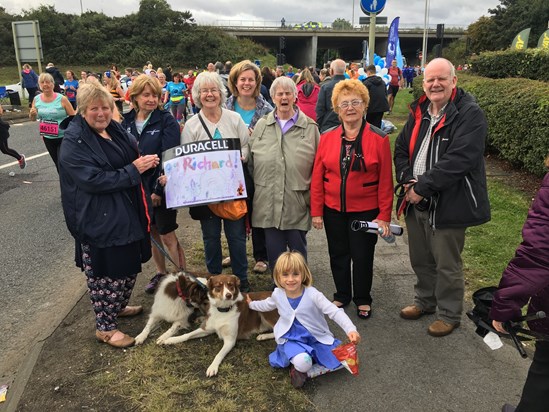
(339, 305)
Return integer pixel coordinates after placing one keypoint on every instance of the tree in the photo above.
(341, 24)
(6, 37)
(482, 34)
(498, 31)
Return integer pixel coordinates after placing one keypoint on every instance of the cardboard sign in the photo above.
(207, 171)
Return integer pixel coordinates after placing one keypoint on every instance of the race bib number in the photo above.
(49, 127)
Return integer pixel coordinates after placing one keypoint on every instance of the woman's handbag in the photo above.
(200, 212)
(230, 210)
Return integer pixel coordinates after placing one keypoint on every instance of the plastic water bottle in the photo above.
(389, 239)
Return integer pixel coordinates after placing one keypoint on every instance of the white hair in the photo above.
(284, 83)
(207, 78)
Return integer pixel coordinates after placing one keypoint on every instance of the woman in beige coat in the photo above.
(282, 151)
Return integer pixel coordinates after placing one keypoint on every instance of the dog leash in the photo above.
(191, 277)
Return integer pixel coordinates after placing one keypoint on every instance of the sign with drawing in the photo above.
(208, 171)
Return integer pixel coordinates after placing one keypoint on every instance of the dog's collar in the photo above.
(181, 294)
(225, 310)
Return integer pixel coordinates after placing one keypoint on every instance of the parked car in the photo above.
(16, 88)
(310, 25)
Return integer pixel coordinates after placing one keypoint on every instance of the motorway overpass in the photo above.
(304, 46)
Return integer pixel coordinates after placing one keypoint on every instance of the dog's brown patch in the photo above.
(196, 294)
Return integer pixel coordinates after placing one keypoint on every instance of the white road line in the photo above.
(26, 158)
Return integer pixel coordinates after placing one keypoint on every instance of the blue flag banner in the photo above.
(392, 41)
(400, 60)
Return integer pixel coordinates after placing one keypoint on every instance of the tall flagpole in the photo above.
(425, 32)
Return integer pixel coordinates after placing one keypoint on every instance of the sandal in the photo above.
(339, 305)
(123, 341)
(130, 311)
(260, 267)
(364, 313)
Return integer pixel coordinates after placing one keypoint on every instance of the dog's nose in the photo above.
(228, 295)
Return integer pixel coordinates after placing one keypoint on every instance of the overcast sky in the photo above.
(255, 12)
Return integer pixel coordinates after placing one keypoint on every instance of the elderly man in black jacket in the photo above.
(378, 96)
(325, 115)
(439, 161)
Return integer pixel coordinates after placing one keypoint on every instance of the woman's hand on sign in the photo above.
(162, 180)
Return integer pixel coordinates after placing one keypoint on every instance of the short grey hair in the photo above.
(284, 83)
(338, 66)
(207, 78)
(92, 92)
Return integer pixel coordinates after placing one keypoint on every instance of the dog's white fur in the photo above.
(236, 323)
(166, 308)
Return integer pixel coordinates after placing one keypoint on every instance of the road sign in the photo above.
(366, 20)
(372, 6)
(28, 44)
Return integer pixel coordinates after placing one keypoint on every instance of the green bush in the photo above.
(517, 111)
(530, 64)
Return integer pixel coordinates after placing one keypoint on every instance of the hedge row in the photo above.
(530, 64)
(517, 111)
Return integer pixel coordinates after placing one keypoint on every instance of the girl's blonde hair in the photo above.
(292, 262)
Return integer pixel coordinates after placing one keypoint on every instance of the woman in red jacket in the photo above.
(352, 180)
(307, 94)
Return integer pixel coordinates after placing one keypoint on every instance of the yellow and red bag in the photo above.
(347, 355)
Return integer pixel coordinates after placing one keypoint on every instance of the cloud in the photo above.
(257, 13)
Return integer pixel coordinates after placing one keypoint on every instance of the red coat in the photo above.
(364, 190)
(307, 96)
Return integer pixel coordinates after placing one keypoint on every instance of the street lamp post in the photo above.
(425, 31)
(353, 15)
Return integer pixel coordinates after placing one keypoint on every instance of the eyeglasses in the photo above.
(354, 103)
(208, 91)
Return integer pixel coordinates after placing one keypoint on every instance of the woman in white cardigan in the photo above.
(302, 333)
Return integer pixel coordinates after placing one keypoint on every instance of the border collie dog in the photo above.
(230, 317)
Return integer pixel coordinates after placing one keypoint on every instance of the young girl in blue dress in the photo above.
(302, 333)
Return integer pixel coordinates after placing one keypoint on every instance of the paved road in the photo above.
(38, 285)
(402, 368)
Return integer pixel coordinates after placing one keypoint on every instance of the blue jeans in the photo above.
(235, 232)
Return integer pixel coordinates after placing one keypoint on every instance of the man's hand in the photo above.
(412, 197)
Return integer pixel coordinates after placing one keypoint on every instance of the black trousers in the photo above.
(536, 389)
(347, 248)
(53, 145)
